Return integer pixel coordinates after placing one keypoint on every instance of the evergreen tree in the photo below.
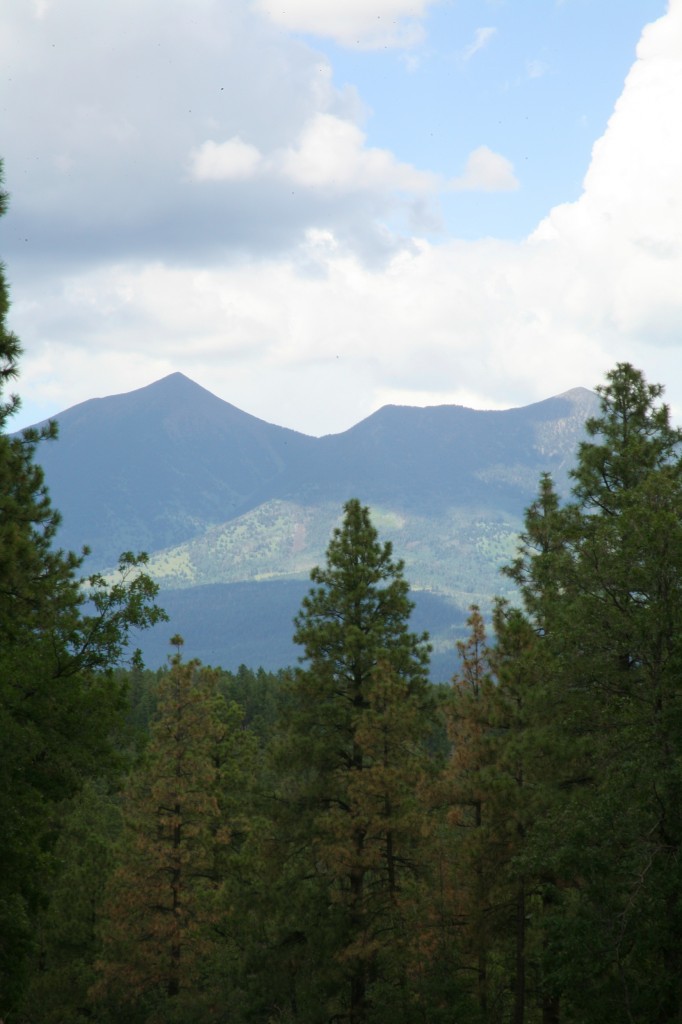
(58, 701)
(519, 782)
(469, 879)
(165, 931)
(67, 931)
(601, 579)
(351, 822)
(495, 790)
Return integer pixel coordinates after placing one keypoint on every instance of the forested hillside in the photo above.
(235, 512)
(344, 841)
(177, 470)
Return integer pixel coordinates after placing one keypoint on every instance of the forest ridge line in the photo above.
(234, 511)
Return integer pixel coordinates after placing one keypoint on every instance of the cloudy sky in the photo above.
(317, 207)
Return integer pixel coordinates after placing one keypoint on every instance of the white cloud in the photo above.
(166, 107)
(304, 330)
(365, 24)
(332, 153)
(317, 351)
(167, 144)
(485, 171)
(481, 39)
(625, 229)
(233, 160)
(329, 157)
(411, 62)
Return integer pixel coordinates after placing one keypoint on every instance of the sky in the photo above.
(315, 208)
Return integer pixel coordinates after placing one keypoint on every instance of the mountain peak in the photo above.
(176, 383)
(577, 394)
(174, 378)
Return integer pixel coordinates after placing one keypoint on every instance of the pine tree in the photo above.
(165, 929)
(67, 929)
(494, 790)
(360, 712)
(468, 874)
(60, 636)
(520, 789)
(601, 580)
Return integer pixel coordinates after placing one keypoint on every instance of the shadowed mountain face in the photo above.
(428, 460)
(235, 624)
(154, 467)
(221, 499)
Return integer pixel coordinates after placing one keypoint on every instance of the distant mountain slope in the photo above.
(456, 552)
(235, 511)
(427, 460)
(252, 624)
(153, 467)
(158, 467)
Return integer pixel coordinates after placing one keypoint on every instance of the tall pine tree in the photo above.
(602, 582)
(495, 787)
(58, 699)
(354, 752)
(166, 933)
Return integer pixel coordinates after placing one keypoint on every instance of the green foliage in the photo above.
(353, 759)
(10, 349)
(61, 636)
(632, 439)
(356, 615)
(456, 552)
(493, 791)
(167, 904)
(261, 695)
(601, 581)
(67, 929)
(564, 781)
(302, 846)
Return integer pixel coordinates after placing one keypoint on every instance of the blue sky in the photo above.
(536, 81)
(314, 209)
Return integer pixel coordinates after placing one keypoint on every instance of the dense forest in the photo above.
(342, 841)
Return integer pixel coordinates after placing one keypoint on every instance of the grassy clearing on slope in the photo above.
(458, 553)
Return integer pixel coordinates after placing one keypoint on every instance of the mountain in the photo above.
(234, 511)
(153, 467)
(428, 460)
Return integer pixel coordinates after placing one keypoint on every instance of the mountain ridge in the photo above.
(222, 499)
(153, 467)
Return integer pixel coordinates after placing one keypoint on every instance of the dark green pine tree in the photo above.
(350, 827)
(58, 702)
(471, 869)
(496, 785)
(166, 934)
(602, 582)
(67, 931)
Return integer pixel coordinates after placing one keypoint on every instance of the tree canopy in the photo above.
(601, 578)
(61, 636)
(295, 848)
(359, 716)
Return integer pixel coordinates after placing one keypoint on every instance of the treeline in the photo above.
(343, 842)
